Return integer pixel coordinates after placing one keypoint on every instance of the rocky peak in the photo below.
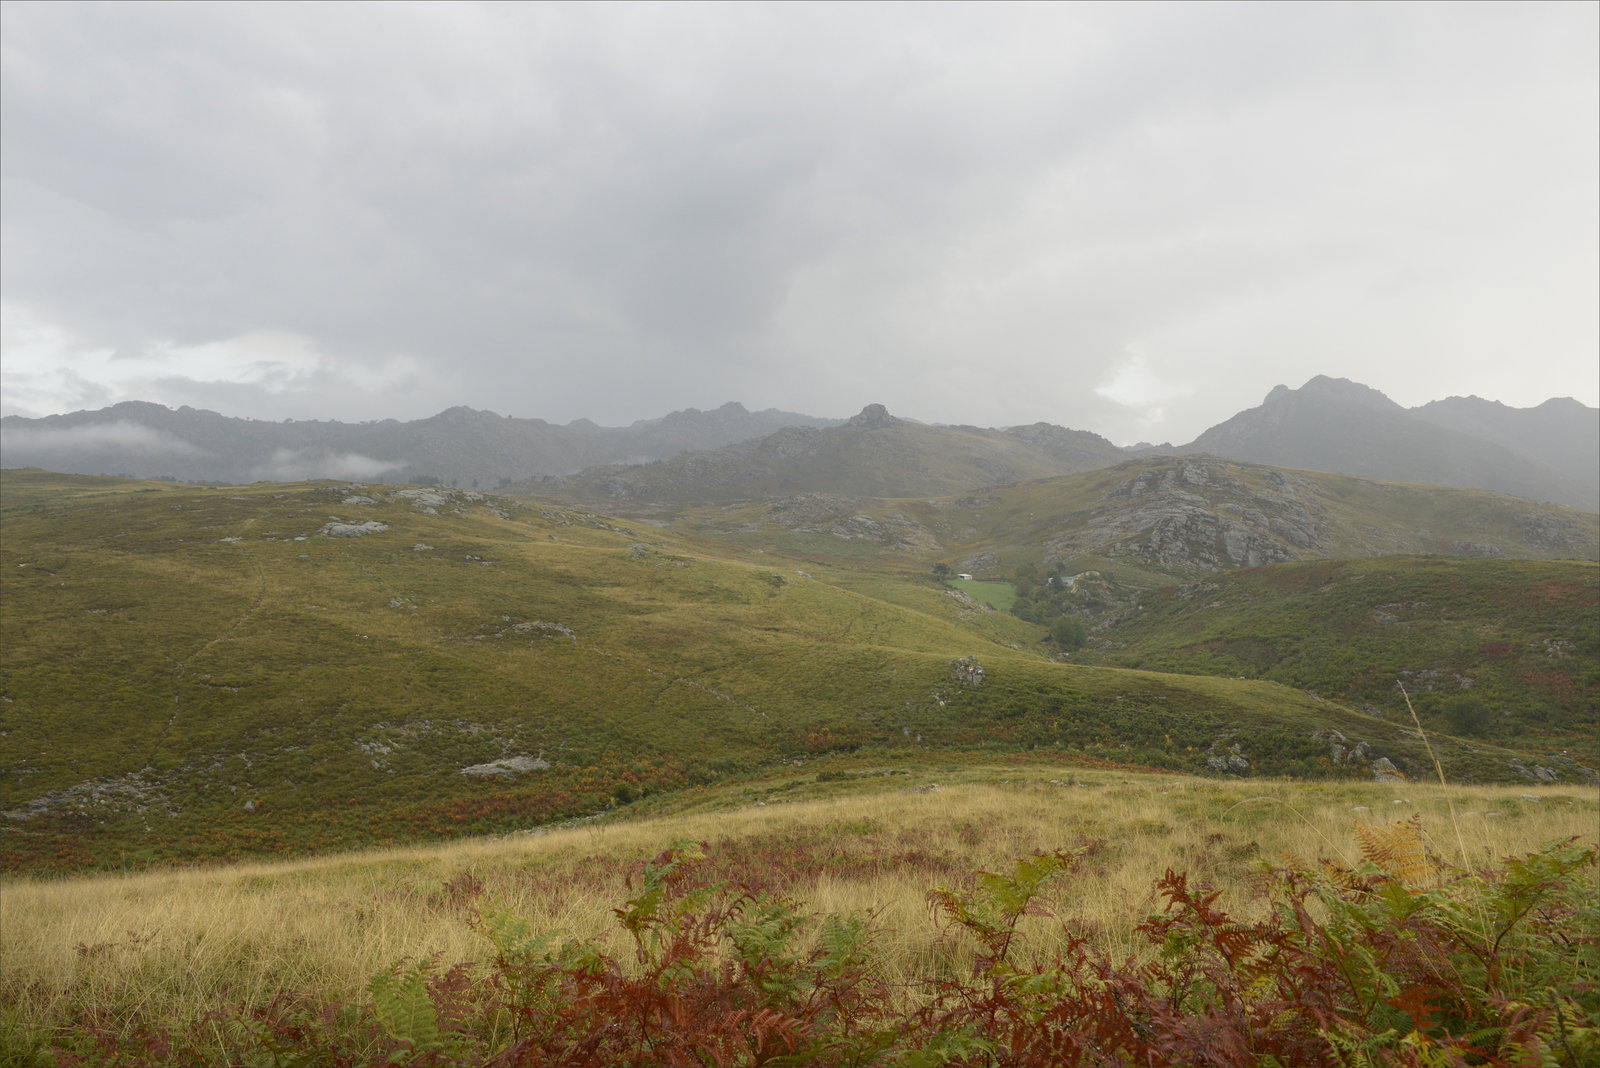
(873, 416)
(1330, 389)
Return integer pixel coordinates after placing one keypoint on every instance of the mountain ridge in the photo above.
(1341, 426)
(1550, 452)
(459, 445)
(872, 454)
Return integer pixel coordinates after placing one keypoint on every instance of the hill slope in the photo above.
(1160, 517)
(1521, 637)
(199, 672)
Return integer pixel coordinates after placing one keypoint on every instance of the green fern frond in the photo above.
(404, 1010)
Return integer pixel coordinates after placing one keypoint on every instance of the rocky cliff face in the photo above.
(1196, 514)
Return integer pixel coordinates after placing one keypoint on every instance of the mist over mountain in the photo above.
(1561, 433)
(1332, 424)
(460, 445)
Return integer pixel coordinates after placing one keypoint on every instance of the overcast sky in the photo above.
(1133, 218)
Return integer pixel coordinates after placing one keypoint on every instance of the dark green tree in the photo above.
(1069, 632)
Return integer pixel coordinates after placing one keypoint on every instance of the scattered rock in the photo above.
(540, 626)
(1537, 773)
(979, 564)
(507, 766)
(1234, 763)
(425, 500)
(339, 529)
(966, 671)
(1572, 767)
(1232, 760)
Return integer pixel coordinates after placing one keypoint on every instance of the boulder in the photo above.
(1383, 770)
(338, 529)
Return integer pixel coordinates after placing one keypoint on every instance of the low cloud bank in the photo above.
(128, 437)
(296, 465)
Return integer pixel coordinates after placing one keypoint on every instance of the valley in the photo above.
(279, 753)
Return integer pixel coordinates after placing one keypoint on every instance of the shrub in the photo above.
(1467, 715)
(1069, 632)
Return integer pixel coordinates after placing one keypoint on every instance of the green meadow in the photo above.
(997, 595)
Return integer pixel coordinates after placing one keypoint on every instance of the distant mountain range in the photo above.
(873, 454)
(1550, 452)
(459, 446)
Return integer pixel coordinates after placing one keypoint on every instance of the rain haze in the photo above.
(1134, 219)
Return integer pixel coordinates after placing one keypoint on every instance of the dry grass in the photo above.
(173, 945)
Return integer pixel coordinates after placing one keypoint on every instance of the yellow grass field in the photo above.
(174, 945)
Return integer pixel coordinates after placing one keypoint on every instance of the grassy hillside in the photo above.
(199, 672)
(1150, 520)
(1523, 637)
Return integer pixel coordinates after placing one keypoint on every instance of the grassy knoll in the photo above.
(842, 837)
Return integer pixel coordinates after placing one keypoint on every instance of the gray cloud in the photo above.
(295, 465)
(969, 213)
(130, 437)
